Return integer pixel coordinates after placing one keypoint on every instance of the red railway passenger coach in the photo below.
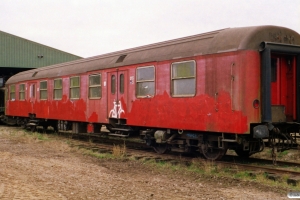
(235, 88)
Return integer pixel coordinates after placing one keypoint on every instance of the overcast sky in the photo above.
(93, 27)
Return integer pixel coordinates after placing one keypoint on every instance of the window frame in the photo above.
(12, 92)
(57, 89)
(143, 81)
(74, 87)
(180, 78)
(95, 86)
(22, 92)
(42, 90)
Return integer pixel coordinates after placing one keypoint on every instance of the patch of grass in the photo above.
(242, 175)
(161, 163)
(42, 137)
(195, 168)
(175, 167)
(96, 154)
(119, 151)
(282, 154)
(39, 136)
(100, 155)
(285, 177)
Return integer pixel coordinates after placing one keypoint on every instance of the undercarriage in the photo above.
(212, 145)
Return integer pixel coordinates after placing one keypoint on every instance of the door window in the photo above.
(121, 83)
(113, 84)
(32, 90)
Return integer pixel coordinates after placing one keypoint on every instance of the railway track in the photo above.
(140, 151)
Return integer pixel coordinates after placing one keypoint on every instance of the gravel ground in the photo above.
(35, 169)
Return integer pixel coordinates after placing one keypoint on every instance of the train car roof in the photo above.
(224, 40)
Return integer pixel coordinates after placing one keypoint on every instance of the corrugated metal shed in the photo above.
(17, 52)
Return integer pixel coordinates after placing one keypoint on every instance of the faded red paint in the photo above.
(93, 117)
(227, 84)
(198, 113)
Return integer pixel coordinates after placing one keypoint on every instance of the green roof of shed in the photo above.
(17, 52)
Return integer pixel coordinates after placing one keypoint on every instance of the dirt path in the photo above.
(33, 169)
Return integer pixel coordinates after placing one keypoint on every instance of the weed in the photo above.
(208, 166)
(161, 163)
(96, 154)
(285, 177)
(282, 154)
(175, 167)
(40, 136)
(242, 175)
(194, 167)
(119, 151)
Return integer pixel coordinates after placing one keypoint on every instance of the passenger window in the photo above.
(145, 81)
(113, 84)
(22, 92)
(12, 92)
(74, 87)
(43, 90)
(95, 86)
(57, 89)
(184, 79)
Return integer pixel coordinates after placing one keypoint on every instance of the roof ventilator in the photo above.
(33, 75)
(121, 58)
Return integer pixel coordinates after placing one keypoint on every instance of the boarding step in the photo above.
(31, 124)
(121, 129)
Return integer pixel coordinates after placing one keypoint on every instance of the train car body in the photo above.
(231, 88)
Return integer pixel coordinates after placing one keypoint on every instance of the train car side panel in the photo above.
(218, 98)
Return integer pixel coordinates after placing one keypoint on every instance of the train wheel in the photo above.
(32, 128)
(23, 124)
(212, 153)
(242, 154)
(160, 148)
